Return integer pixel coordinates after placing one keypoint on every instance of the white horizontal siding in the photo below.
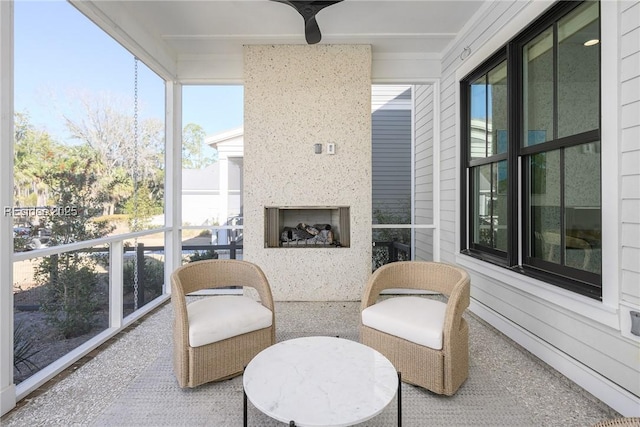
(589, 342)
(448, 177)
(630, 150)
(423, 170)
(424, 245)
(630, 90)
(391, 97)
(584, 336)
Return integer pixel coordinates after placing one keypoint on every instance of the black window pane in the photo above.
(478, 137)
(538, 89)
(500, 206)
(490, 205)
(497, 114)
(482, 205)
(582, 207)
(544, 209)
(579, 71)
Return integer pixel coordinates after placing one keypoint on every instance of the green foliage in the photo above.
(20, 243)
(196, 154)
(395, 213)
(70, 303)
(72, 182)
(85, 181)
(150, 279)
(205, 233)
(71, 278)
(105, 134)
(23, 348)
(33, 152)
(140, 209)
(199, 256)
(121, 145)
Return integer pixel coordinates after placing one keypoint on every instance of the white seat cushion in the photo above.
(217, 318)
(415, 319)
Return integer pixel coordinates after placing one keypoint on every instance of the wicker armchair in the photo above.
(425, 339)
(215, 337)
(620, 422)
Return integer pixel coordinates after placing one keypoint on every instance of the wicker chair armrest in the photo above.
(179, 303)
(456, 305)
(377, 283)
(264, 291)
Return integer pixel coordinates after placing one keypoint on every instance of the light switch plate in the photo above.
(331, 148)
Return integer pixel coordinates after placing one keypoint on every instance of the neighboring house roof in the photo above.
(206, 179)
(229, 143)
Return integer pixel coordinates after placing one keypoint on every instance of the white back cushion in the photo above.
(217, 318)
(415, 319)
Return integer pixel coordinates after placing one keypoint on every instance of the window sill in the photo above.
(578, 304)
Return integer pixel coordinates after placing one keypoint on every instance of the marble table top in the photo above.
(320, 381)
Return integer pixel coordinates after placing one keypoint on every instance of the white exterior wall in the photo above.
(630, 158)
(578, 336)
(424, 196)
(202, 208)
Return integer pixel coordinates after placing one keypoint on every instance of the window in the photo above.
(531, 152)
(487, 132)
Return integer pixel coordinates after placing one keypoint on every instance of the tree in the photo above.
(33, 152)
(106, 124)
(70, 278)
(195, 153)
(140, 208)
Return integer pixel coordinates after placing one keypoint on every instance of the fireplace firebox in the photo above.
(307, 226)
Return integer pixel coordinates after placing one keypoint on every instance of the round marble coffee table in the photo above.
(320, 381)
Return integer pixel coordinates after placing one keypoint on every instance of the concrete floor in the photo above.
(129, 382)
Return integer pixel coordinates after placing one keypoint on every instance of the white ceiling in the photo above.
(190, 28)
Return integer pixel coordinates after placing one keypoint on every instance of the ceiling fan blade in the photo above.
(308, 10)
(312, 31)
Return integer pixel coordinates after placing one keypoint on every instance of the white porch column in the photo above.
(173, 179)
(7, 388)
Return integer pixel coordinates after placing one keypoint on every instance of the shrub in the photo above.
(71, 278)
(151, 278)
(23, 349)
(71, 291)
(198, 256)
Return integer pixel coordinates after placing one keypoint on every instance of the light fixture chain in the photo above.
(135, 184)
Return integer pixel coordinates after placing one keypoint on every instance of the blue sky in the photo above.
(59, 51)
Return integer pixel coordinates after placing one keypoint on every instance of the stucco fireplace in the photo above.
(296, 97)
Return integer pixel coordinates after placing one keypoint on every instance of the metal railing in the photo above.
(120, 313)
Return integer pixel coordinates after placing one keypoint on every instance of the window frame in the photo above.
(491, 254)
(518, 256)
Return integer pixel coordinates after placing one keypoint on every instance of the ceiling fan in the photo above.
(308, 10)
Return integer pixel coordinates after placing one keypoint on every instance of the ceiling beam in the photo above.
(385, 68)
